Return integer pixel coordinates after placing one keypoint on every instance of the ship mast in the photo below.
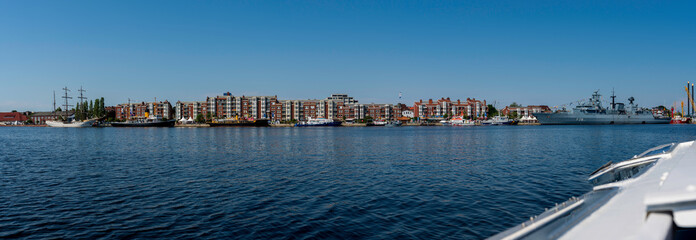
(82, 101)
(613, 103)
(67, 106)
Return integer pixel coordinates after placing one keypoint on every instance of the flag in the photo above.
(399, 95)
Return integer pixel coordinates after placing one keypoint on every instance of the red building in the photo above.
(143, 110)
(11, 117)
(41, 117)
(471, 107)
(525, 111)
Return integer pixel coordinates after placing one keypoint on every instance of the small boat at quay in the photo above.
(394, 124)
(319, 122)
(71, 124)
(378, 123)
(650, 196)
(155, 121)
(239, 123)
(680, 120)
(498, 120)
(460, 121)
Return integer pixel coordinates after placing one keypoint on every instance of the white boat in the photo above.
(378, 123)
(460, 121)
(318, 122)
(75, 124)
(497, 120)
(650, 196)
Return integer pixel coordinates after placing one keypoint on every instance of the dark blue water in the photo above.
(300, 183)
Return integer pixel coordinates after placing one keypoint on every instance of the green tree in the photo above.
(208, 116)
(95, 110)
(90, 110)
(200, 119)
(513, 115)
(102, 110)
(78, 114)
(14, 110)
(85, 110)
(514, 104)
(58, 109)
(491, 111)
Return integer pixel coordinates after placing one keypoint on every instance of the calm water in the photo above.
(290, 183)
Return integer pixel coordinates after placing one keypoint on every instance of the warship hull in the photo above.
(569, 118)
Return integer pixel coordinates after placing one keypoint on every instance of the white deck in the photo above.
(625, 216)
(648, 205)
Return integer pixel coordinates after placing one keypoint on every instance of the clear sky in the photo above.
(531, 52)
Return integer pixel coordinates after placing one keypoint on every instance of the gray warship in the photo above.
(592, 113)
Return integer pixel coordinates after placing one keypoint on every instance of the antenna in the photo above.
(613, 104)
(54, 102)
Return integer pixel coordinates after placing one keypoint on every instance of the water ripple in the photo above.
(287, 183)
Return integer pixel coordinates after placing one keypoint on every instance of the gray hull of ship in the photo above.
(596, 119)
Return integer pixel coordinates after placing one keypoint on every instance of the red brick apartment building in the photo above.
(471, 107)
(525, 111)
(228, 106)
(143, 109)
(337, 106)
(41, 117)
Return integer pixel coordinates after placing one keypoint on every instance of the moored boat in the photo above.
(156, 121)
(239, 123)
(394, 124)
(378, 123)
(592, 113)
(498, 120)
(460, 121)
(319, 122)
(70, 124)
(680, 120)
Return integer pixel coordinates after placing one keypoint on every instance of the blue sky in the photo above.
(531, 52)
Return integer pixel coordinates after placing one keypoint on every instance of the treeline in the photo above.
(91, 109)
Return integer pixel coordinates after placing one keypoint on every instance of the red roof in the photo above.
(12, 116)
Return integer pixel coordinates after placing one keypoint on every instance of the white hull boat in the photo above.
(650, 196)
(72, 124)
(460, 121)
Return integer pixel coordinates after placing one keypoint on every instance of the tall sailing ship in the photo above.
(69, 121)
(592, 113)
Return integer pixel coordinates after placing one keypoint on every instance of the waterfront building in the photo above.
(342, 98)
(229, 106)
(525, 111)
(471, 107)
(143, 109)
(475, 109)
(13, 117)
(379, 111)
(337, 106)
(191, 109)
(41, 117)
